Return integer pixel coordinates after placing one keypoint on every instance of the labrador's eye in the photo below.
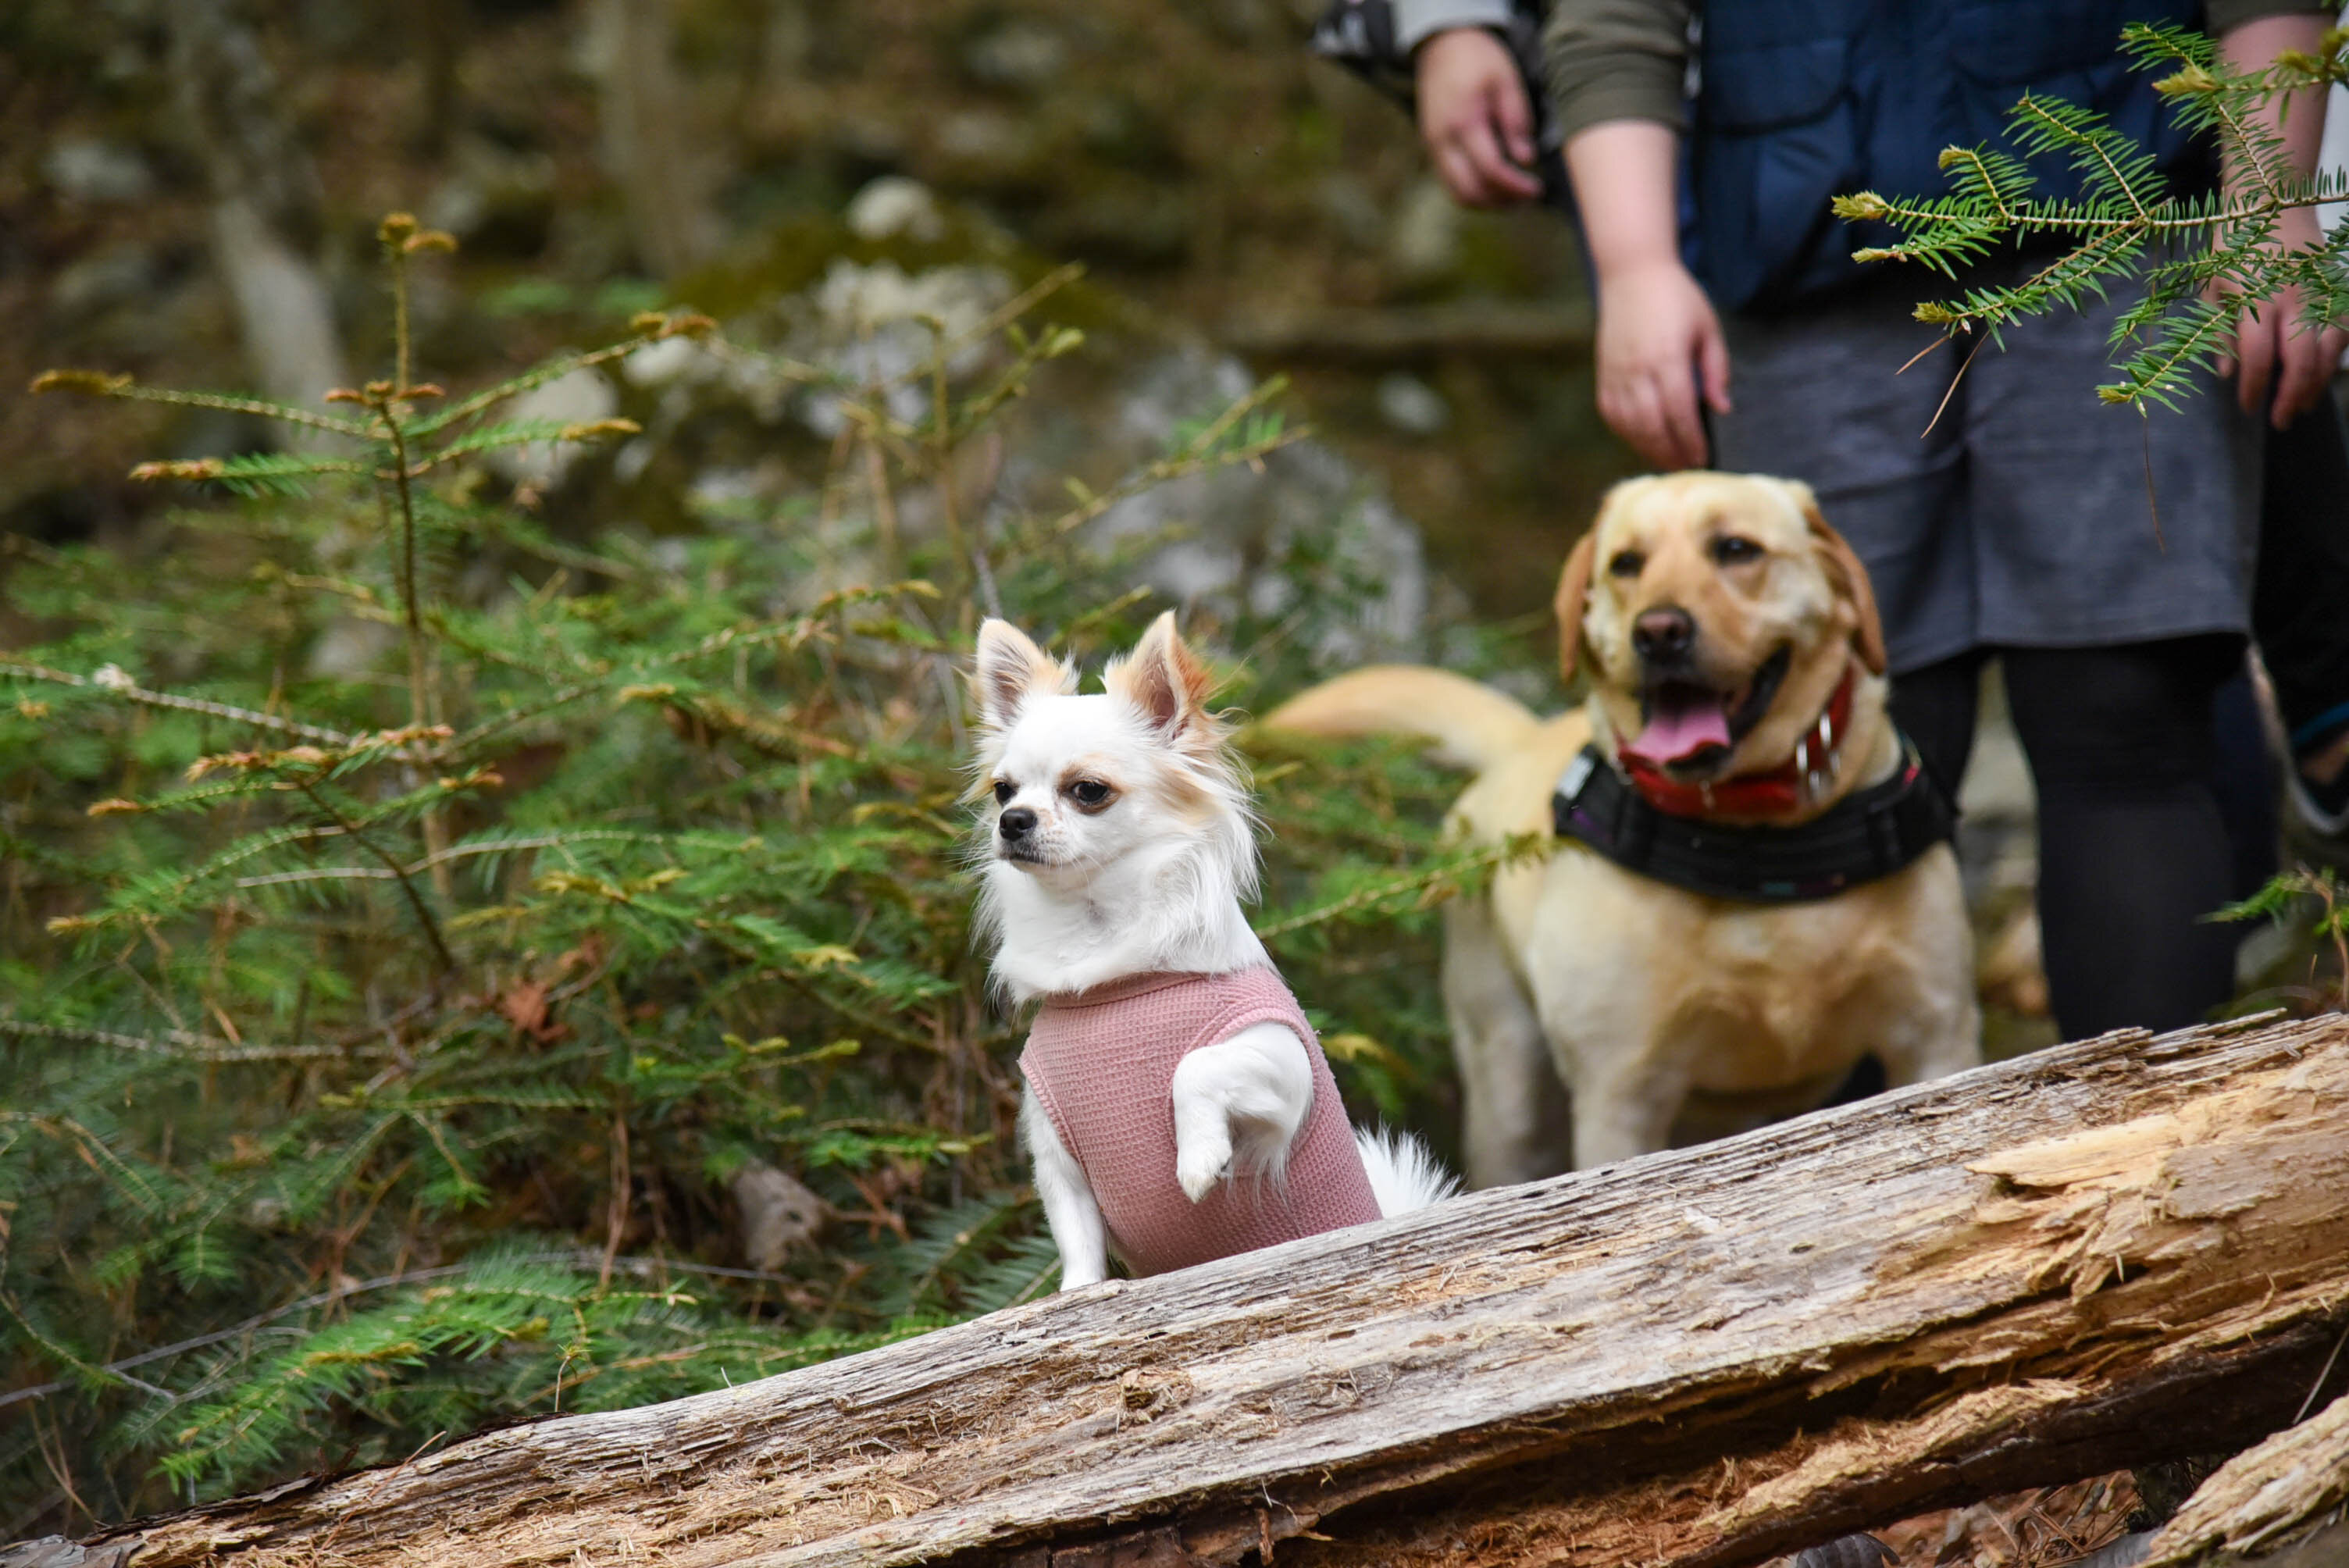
(1627, 563)
(1730, 550)
(1089, 793)
(1004, 789)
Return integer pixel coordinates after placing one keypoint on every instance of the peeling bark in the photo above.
(2115, 1252)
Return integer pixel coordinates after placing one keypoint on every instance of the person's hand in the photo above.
(1476, 120)
(2278, 348)
(1658, 339)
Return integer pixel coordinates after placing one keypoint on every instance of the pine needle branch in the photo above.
(2126, 210)
(109, 678)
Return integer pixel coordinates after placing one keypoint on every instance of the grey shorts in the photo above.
(2025, 518)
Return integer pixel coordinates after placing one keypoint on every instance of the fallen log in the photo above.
(2118, 1251)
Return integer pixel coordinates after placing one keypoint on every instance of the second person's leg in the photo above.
(2132, 851)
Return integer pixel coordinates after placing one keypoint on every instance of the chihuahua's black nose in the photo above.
(1663, 636)
(1017, 823)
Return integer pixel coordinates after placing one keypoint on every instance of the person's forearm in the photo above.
(2298, 120)
(1624, 173)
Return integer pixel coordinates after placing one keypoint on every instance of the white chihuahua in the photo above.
(1168, 1059)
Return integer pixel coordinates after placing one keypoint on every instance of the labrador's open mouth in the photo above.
(1691, 729)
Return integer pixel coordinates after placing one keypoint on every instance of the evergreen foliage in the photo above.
(414, 918)
(2192, 254)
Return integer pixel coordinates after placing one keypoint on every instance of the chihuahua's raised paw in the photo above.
(1201, 1162)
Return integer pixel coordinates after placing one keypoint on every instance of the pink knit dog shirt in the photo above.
(1103, 1063)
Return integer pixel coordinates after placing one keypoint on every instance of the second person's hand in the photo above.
(1476, 118)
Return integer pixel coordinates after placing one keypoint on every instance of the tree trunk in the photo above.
(265, 223)
(2115, 1252)
(664, 169)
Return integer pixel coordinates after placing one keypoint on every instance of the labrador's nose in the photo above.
(1662, 636)
(1017, 823)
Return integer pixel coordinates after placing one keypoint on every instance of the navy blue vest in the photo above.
(1801, 100)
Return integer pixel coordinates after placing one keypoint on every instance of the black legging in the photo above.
(2132, 850)
(2297, 604)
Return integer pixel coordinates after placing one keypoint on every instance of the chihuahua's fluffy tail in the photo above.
(1404, 1175)
(1472, 725)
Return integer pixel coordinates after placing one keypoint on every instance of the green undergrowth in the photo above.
(415, 920)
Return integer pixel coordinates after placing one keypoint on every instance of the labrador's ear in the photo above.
(1010, 668)
(1164, 681)
(1573, 596)
(1847, 577)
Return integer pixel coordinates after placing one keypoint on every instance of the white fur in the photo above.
(1238, 1104)
(1151, 881)
(1142, 885)
(1404, 1175)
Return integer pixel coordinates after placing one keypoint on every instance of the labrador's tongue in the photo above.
(1682, 721)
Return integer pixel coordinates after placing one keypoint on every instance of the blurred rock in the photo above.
(113, 274)
(988, 148)
(778, 1213)
(1312, 538)
(1121, 129)
(1241, 21)
(1349, 204)
(1411, 406)
(868, 323)
(1301, 537)
(894, 207)
(1132, 220)
(497, 200)
(1023, 54)
(1423, 239)
(349, 649)
(98, 171)
(579, 397)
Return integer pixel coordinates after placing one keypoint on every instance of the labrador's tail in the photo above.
(1472, 725)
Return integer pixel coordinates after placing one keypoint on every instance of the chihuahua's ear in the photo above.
(1573, 597)
(1164, 680)
(1009, 670)
(1847, 576)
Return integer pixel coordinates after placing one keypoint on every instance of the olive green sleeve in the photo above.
(1617, 59)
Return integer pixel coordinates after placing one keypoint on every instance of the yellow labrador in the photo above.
(1737, 683)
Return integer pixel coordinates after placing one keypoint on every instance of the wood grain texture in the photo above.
(2112, 1252)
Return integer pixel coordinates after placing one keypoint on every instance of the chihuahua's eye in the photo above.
(1004, 789)
(1090, 793)
(1730, 550)
(1627, 563)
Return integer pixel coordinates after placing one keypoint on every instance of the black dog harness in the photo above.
(1862, 837)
